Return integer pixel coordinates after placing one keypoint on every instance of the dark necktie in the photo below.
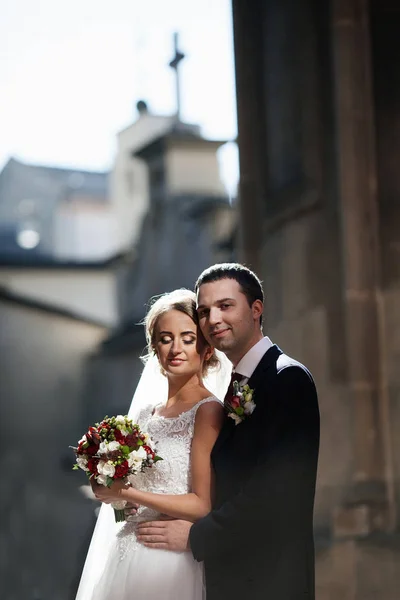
(229, 394)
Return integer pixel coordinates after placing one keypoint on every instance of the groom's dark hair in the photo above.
(250, 284)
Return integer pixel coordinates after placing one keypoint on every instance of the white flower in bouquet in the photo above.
(103, 448)
(136, 458)
(106, 447)
(112, 446)
(106, 468)
(102, 480)
(82, 462)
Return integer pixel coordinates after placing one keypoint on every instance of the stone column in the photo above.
(369, 500)
(248, 40)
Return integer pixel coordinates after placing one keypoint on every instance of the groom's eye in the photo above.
(202, 313)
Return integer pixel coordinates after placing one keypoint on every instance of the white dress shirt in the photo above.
(247, 365)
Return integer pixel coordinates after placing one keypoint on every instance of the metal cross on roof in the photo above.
(174, 64)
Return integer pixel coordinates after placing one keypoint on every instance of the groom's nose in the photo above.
(215, 316)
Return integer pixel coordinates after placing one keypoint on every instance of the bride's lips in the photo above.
(175, 362)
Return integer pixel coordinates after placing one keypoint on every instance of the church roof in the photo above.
(178, 132)
(20, 180)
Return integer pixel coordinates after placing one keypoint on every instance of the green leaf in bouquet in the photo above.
(75, 467)
(140, 442)
(239, 411)
(157, 458)
(109, 481)
(125, 449)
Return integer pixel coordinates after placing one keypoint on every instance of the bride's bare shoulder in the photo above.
(210, 410)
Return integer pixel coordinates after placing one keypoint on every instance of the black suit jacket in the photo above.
(257, 542)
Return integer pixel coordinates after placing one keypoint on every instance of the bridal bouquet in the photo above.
(114, 449)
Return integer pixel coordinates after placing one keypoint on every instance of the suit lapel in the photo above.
(268, 360)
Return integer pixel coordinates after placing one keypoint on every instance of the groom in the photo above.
(257, 542)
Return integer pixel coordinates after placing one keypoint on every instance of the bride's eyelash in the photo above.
(168, 340)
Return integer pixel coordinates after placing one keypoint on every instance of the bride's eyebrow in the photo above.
(182, 333)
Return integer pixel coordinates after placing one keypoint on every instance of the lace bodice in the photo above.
(172, 475)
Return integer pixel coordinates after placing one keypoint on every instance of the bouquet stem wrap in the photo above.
(119, 511)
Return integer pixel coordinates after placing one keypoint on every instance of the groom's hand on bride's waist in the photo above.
(166, 534)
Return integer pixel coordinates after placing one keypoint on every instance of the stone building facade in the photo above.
(318, 112)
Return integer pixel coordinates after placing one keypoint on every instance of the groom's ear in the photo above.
(257, 309)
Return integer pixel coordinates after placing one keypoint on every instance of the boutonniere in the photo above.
(241, 405)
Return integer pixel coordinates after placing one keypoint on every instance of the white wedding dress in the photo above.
(132, 571)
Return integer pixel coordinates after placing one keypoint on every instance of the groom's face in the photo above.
(226, 319)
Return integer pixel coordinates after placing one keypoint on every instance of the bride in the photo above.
(184, 428)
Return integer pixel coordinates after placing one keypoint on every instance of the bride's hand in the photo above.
(109, 494)
(130, 509)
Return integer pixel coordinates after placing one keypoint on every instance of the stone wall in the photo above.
(386, 53)
(320, 213)
(304, 315)
(46, 521)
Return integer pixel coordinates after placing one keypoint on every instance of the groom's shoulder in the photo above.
(288, 366)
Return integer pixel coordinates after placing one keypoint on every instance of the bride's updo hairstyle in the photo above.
(184, 301)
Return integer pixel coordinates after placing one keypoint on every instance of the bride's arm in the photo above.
(192, 506)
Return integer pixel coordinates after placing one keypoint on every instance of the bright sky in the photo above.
(71, 72)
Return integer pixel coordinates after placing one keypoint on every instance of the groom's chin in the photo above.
(222, 344)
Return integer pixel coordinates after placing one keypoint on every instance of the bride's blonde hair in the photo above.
(183, 300)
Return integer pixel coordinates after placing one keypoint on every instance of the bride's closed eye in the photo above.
(187, 341)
